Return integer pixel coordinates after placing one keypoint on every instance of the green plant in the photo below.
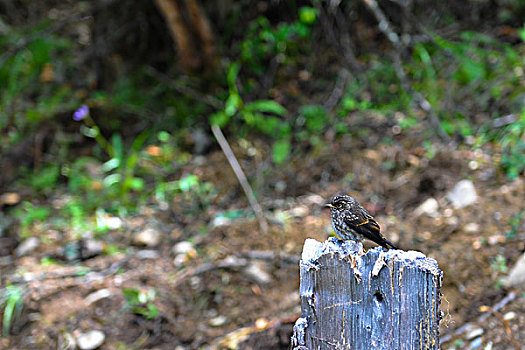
(263, 42)
(261, 115)
(119, 179)
(499, 264)
(29, 213)
(512, 140)
(514, 223)
(140, 302)
(12, 303)
(190, 187)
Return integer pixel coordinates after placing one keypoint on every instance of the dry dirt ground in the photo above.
(234, 286)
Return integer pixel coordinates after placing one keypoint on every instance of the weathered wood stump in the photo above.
(375, 300)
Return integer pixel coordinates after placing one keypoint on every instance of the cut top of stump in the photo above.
(381, 299)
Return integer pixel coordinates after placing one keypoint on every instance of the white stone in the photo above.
(299, 211)
(218, 321)
(220, 221)
(476, 332)
(145, 254)
(258, 272)
(463, 194)
(315, 199)
(428, 207)
(149, 237)
(90, 340)
(183, 247)
(27, 246)
(516, 275)
(471, 227)
(114, 223)
(96, 296)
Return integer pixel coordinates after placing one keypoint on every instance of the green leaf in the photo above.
(118, 147)
(266, 106)
(281, 150)
(163, 136)
(136, 183)
(231, 77)
(315, 116)
(138, 142)
(233, 104)
(111, 180)
(111, 164)
(307, 15)
(188, 182)
(521, 33)
(220, 118)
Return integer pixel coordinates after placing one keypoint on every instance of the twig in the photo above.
(339, 89)
(229, 262)
(480, 319)
(71, 273)
(269, 255)
(505, 322)
(240, 176)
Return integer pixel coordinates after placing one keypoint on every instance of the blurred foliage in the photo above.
(140, 302)
(11, 304)
(140, 115)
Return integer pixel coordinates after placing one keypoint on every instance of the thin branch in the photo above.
(230, 262)
(467, 326)
(240, 176)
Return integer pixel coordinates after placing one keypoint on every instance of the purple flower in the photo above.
(81, 113)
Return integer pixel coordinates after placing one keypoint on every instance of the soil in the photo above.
(237, 287)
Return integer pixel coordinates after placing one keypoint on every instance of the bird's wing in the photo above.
(360, 219)
(365, 224)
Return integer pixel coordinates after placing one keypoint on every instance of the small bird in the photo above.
(351, 221)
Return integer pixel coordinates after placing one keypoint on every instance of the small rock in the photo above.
(96, 296)
(201, 141)
(220, 221)
(183, 247)
(179, 260)
(315, 199)
(428, 207)
(9, 198)
(90, 340)
(280, 186)
(463, 194)
(495, 239)
(149, 237)
(92, 248)
(509, 316)
(516, 275)
(452, 221)
(471, 227)
(474, 333)
(113, 222)
(299, 211)
(476, 343)
(218, 321)
(257, 272)
(145, 254)
(27, 246)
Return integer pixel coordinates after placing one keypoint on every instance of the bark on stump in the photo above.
(376, 300)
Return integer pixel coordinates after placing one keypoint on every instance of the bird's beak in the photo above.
(328, 206)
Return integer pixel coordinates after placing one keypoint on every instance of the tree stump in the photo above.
(375, 300)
